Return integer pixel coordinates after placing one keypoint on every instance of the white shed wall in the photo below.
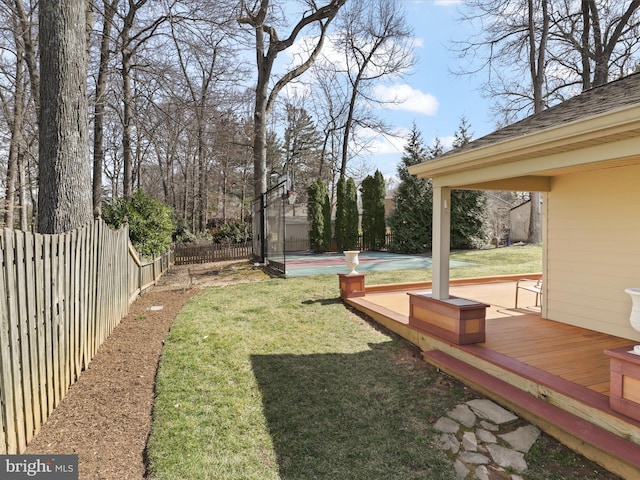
(593, 249)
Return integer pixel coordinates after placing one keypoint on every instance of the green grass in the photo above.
(279, 380)
(495, 261)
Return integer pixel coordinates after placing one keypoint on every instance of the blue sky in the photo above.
(435, 98)
(442, 96)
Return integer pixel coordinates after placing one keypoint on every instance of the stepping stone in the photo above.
(491, 411)
(486, 436)
(461, 470)
(469, 442)
(482, 473)
(446, 425)
(507, 458)
(523, 438)
(473, 458)
(492, 427)
(450, 442)
(463, 414)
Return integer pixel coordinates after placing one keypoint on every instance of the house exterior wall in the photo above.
(592, 241)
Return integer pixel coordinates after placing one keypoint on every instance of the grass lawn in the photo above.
(279, 380)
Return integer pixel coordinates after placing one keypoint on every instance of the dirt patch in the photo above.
(105, 417)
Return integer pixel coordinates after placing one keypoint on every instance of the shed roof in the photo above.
(546, 144)
(590, 103)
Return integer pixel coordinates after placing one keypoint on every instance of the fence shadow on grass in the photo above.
(350, 416)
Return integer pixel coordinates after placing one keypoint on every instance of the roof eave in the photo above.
(599, 129)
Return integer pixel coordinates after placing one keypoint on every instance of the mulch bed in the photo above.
(105, 417)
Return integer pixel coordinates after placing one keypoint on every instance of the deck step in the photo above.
(615, 453)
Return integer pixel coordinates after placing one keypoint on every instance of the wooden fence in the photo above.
(60, 298)
(187, 253)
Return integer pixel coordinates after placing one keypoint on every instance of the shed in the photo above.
(584, 156)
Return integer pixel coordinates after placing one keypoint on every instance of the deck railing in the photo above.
(61, 297)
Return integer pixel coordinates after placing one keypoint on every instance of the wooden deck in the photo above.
(552, 366)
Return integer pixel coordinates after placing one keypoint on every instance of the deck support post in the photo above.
(441, 241)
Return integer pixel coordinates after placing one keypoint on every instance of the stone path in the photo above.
(487, 441)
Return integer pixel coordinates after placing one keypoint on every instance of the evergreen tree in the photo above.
(373, 214)
(346, 214)
(302, 146)
(411, 220)
(341, 221)
(351, 215)
(468, 207)
(319, 216)
(326, 213)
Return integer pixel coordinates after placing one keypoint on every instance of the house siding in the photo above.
(593, 249)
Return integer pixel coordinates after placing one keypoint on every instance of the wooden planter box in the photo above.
(456, 320)
(351, 285)
(624, 395)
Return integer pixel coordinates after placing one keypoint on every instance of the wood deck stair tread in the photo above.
(536, 410)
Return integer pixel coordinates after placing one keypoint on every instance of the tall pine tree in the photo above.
(468, 207)
(346, 214)
(411, 220)
(319, 216)
(301, 147)
(373, 214)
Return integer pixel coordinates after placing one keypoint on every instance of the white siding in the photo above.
(593, 249)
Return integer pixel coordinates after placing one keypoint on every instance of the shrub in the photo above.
(236, 232)
(151, 222)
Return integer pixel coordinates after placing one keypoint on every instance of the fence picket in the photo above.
(60, 298)
(14, 336)
(8, 414)
(47, 319)
(29, 299)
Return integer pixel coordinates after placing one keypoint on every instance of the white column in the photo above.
(441, 241)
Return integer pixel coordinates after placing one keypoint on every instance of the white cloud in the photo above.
(384, 144)
(447, 142)
(405, 97)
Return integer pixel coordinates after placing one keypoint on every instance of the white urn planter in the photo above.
(634, 318)
(351, 259)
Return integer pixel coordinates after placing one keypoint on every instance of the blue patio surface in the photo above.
(300, 265)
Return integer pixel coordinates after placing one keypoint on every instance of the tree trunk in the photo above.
(64, 199)
(584, 53)
(22, 193)
(101, 90)
(538, 74)
(17, 144)
(127, 154)
(29, 53)
(260, 119)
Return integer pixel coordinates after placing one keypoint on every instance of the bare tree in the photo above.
(374, 38)
(558, 45)
(19, 99)
(130, 40)
(268, 45)
(576, 45)
(64, 194)
(598, 38)
(206, 60)
(13, 106)
(108, 14)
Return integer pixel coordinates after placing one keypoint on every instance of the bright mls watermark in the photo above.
(49, 467)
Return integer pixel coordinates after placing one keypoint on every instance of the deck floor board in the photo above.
(545, 344)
